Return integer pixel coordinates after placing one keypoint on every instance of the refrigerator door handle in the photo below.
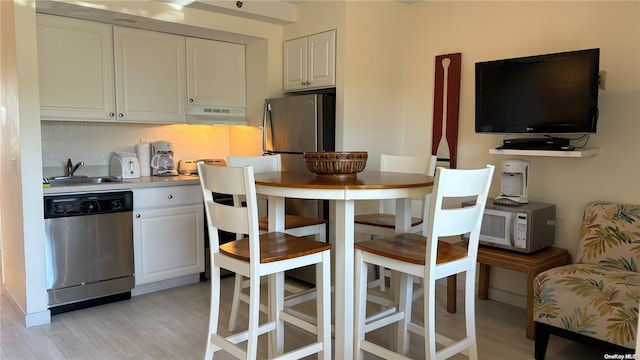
(267, 112)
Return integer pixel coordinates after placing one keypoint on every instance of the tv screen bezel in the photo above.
(586, 126)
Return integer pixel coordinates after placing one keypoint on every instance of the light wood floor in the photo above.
(172, 324)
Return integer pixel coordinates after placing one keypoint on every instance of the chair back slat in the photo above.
(452, 222)
(412, 165)
(445, 220)
(230, 219)
(265, 163)
(237, 181)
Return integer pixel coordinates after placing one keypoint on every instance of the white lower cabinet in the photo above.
(168, 233)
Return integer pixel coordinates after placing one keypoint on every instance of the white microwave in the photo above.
(524, 228)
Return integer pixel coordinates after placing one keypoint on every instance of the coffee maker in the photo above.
(162, 163)
(514, 183)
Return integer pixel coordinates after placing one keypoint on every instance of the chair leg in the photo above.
(542, 340)
(321, 235)
(428, 286)
(405, 306)
(254, 316)
(276, 306)
(360, 302)
(470, 313)
(214, 311)
(323, 305)
(235, 302)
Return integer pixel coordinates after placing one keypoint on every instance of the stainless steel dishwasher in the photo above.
(89, 248)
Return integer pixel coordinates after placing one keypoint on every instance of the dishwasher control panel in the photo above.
(87, 204)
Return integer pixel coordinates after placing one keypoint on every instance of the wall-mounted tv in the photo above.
(542, 94)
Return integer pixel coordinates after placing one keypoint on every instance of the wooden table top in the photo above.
(366, 180)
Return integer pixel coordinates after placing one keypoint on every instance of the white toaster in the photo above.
(124, 166)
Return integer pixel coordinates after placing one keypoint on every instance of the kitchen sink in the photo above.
(80, 180)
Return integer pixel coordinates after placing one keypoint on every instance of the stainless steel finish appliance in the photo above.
(88, 246)
(294, 125)
(526, 228)
(162, 163)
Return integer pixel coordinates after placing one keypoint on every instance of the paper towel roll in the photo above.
(144, 158)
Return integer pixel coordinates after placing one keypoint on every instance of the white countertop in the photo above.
(127, 184)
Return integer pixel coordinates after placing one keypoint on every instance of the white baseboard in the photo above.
(508, 298)
(28, 319)
(502, 296)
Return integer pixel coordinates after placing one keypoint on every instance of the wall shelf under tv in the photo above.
(585, 153)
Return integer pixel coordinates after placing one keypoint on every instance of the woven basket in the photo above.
(338, 163)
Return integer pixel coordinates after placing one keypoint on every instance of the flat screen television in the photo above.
(544, 94)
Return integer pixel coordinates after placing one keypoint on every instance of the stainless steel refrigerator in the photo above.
(293, 125)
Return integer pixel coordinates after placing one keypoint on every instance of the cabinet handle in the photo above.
(303, 83)
(112, 114)
(190, 100)
(170, 197)
(308, 83)
(121, 115)
(137, 216)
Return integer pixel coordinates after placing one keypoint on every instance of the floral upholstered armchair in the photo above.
(595, 300)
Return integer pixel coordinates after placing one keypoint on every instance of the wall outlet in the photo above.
(602, 79)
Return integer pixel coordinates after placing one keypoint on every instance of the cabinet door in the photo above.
(321, 60)
(168, 243)
(75, 69)
(215, 73)
(295, 64)
(150, 76)
(310, 62)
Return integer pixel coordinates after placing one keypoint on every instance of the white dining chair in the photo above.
(383, 222)
(293, 225)
(257, 255)
(426, 257)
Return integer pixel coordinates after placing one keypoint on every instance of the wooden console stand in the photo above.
(531, 264)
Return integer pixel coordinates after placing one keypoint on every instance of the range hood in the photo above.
(218, 115)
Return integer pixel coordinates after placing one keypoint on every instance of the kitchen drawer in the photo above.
(166, 196)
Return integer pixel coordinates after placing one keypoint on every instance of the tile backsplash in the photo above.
(93, 143)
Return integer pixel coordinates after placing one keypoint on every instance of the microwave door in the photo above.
(497, 228)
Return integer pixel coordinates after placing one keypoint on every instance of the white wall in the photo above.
(22, 233)
(493, 30)
(385, 81)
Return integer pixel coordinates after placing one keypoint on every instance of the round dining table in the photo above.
(342, 193)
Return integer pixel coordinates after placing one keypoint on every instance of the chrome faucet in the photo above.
(71, 169)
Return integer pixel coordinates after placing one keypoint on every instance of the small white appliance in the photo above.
(513, 183)
(124, 165)
(527, 228)
(162, 163)
(188, 167)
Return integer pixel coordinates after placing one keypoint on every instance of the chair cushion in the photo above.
(610, 234)
(600, 301)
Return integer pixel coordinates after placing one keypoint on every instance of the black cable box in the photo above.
(536, 144)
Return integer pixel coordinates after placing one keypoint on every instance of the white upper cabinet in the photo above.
(75, 69)
(215, 73)
(90, 71)
(150, 76)
(310, 62)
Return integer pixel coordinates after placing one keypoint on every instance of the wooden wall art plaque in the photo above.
(446, 98)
